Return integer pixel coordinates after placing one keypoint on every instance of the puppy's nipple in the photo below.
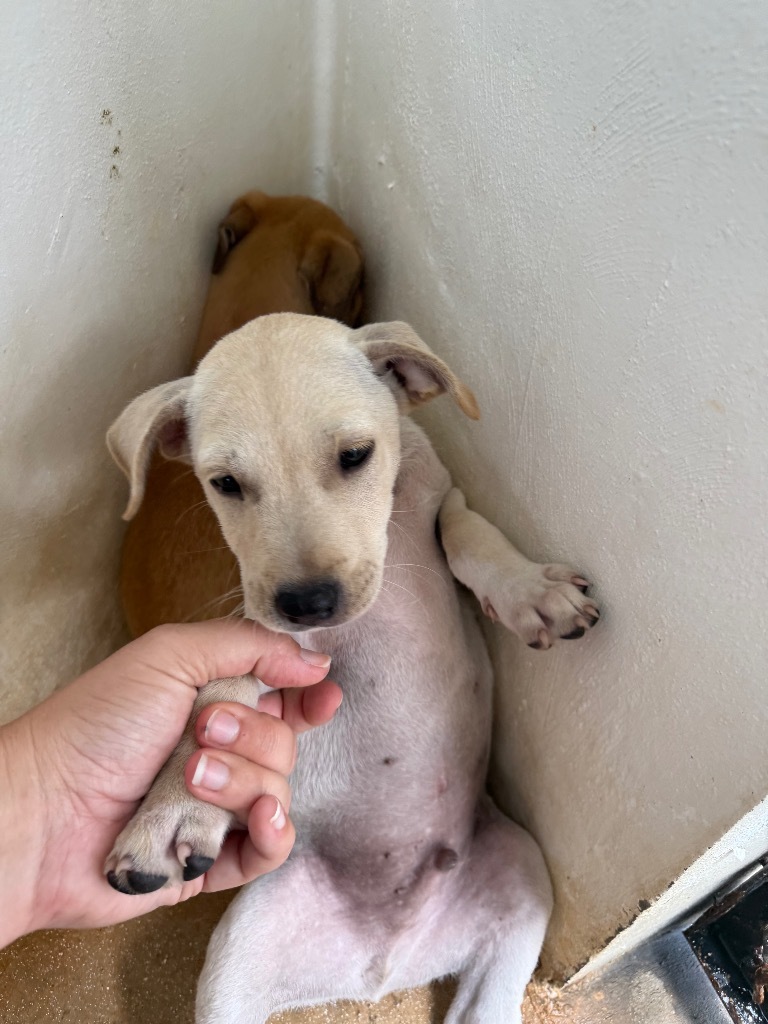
(446, 859)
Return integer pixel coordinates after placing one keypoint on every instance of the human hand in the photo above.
(74, 768)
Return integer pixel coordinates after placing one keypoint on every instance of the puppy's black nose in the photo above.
(308, 604)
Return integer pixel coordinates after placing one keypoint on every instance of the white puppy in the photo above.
(348, 532)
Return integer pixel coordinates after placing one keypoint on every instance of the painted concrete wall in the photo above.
(126, 131)
(570, 202)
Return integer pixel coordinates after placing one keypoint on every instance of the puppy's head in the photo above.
(281, 254)
(292, 427)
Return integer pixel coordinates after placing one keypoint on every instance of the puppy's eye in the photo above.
(226, 485)
(351, 458)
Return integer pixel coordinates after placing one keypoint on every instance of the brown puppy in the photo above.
(286, 254)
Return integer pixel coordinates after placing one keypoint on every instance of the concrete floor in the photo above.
(144, 972)
(662, 983)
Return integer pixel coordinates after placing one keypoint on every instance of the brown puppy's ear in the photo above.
(239, 221)
(413, 372)
(156, 418)
(332, 267)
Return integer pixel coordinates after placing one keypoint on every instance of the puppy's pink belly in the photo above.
(396, 880)
(388, 850)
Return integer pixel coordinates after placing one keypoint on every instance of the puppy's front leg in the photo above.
(173, 836)
(539, 603)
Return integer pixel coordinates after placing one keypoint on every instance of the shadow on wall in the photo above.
(59, 612)
(59, 609)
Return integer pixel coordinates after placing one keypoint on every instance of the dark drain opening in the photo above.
(731, 942)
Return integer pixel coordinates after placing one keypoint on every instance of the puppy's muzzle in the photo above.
(309, 604)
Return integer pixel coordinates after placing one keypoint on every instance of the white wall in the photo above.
(570, 201)
(105, 258)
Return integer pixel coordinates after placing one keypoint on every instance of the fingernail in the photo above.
(210, 774)
(222, 727)
(315, 658)
(278, 818)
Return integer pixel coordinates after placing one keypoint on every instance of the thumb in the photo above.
(197, 652)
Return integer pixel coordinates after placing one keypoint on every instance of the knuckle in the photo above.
(169, 643)
(166, 631)
(160, 635)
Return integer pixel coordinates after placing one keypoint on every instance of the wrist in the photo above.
(22, 831)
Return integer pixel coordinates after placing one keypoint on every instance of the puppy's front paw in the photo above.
(543, 604)
(166, 843)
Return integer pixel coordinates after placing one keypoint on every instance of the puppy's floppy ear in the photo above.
(155, 418)
(414, 373)
(332, 267)
(239, 221)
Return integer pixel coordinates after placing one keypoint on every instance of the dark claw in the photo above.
(536, 645)
(579, 631)
(117, 883)
(142, 883)
(196, 865)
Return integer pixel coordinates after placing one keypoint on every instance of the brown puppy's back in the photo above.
(285, 254)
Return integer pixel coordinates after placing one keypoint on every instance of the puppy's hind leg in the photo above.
(287, 940)
(488, 925)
